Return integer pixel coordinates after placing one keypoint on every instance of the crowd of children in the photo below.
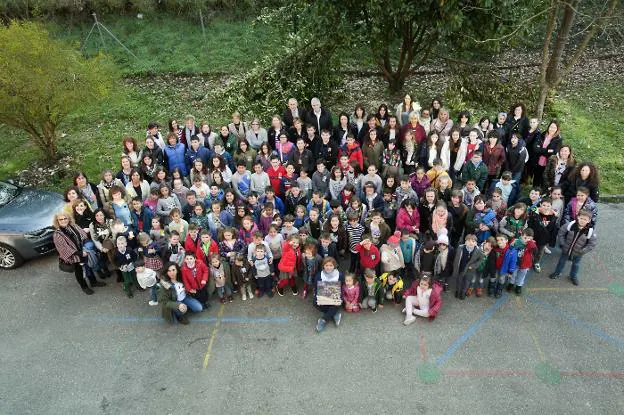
(414, 202)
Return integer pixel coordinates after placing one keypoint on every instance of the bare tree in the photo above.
(554, 67)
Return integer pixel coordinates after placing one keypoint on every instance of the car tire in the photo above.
(9, 257)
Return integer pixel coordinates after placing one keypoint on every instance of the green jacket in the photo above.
(478, 173)
(379, 291)
(167, 299)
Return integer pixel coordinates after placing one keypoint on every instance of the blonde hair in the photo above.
(55, 221)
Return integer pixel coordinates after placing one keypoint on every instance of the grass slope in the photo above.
(174, 44)
(591, 116)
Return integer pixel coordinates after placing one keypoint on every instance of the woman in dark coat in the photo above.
(545, 146)
(586, 175)
(68, 241)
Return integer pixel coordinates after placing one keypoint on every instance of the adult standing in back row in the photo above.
(319, 117)
(292, 113)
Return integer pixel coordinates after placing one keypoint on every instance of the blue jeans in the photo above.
(576, 263)
(517, 177)
(224, 291)
(518, 277)
(192, 304)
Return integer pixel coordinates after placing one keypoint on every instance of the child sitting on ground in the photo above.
(422, 299)
(372, 294)
(392, 286)
(351, 294)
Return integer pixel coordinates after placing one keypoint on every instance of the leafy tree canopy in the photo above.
(42, 80)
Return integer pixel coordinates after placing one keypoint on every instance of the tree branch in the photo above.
(587, 38)
(516, 30)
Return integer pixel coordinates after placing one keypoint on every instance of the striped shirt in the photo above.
(355, 235)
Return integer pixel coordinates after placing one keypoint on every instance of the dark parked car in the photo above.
(25, 223)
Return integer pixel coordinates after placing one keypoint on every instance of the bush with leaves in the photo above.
(300, 69)
(42, 80)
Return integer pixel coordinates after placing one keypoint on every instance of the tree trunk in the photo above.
(396, 83)
(541, 103)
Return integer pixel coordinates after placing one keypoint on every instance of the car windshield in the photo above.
(7, 193)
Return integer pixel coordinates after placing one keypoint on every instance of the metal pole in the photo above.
(97, 23)
(87, 38)
(201, 20)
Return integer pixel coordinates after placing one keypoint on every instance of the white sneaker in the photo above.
(244, 296)
(250, 295)
(409, 321)
(403, 311)
(547, 251)
(153, 303)
(538, 268)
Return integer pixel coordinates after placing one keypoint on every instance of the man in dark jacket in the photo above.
(292, 112)
(319, 117)
(576, 238)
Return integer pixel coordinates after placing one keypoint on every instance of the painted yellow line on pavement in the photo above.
(532, 331)
(215, 330)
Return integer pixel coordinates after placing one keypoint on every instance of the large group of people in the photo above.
(414, 201)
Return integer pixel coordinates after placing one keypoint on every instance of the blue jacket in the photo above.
(146, 217)
(279, 205)
(513, 196)
(510, 261)
(202, 153)
(174, 157)
(226, 218)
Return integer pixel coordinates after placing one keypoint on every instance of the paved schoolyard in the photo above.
(557, 349)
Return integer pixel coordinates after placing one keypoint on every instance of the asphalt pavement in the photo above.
(556, 349)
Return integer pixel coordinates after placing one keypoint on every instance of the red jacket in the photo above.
(494, 158)
(435, 300)
(354, 153)
(199, 252)
(406, 221)
(291, 258)
(196, 278)
(368, 258)
(526, 260)
(275, 177)
(419, 132)
(190, 245)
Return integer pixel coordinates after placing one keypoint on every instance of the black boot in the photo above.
(518, 289)
(510, 287)
(491, 288)
(499, 290)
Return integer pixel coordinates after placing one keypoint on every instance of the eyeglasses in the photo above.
(63, 219)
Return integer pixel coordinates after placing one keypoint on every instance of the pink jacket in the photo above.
(435, 301)
(351, 295)
(406, 221)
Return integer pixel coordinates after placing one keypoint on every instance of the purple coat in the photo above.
(420, 187)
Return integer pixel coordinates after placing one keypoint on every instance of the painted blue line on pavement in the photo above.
(252, 320)
(487, 314)
(590, 328)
